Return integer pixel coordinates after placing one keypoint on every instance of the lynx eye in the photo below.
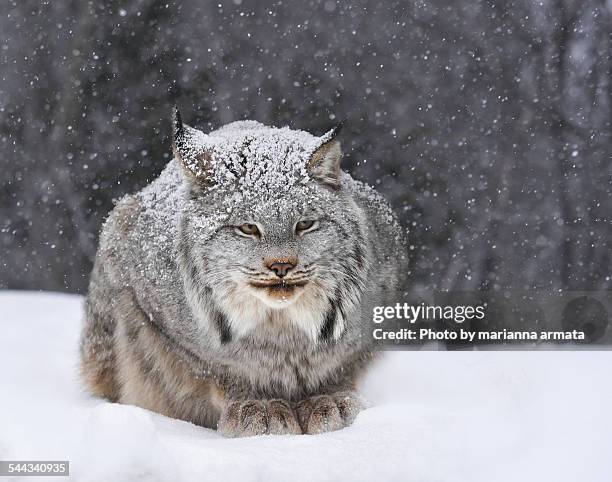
(248, 229)
(304, 226)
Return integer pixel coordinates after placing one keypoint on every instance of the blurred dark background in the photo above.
(487, 124)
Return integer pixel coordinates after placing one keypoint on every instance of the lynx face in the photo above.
(268, 234)
(279, 249)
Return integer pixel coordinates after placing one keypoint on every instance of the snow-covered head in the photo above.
(249, 157)
(268, 226)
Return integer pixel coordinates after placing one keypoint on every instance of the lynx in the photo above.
(229, 291)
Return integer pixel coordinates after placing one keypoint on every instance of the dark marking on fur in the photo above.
(222, 326)
(343, 232)
(359, 253)
(194, 273)
(340, 303)
(327, 330)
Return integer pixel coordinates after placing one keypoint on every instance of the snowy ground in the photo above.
(437, 416)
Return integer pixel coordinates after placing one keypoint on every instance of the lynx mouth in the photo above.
(279, 285)
(278, 293)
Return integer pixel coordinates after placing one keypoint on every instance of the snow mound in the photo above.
(477, 416)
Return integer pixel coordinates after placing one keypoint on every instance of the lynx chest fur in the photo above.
(229, 291)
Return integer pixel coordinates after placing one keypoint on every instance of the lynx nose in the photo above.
(281, 268)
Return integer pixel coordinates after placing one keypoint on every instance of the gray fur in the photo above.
(172, 323)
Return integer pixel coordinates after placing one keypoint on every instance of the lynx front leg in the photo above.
(258, 417)
(326, 413)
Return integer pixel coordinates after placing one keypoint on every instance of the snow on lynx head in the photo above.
(268, 232)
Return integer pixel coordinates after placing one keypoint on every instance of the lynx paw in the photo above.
(258, 417)
(326, 413)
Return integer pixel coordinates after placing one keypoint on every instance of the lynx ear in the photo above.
(324, 165)
(189, 148)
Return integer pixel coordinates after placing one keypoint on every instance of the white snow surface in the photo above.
(435, 416)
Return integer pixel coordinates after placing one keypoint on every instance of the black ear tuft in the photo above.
(177, 123)
(336, 130)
